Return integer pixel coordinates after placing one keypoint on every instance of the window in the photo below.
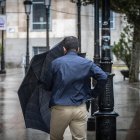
(38, 50)
(38, 15)
(112, 19)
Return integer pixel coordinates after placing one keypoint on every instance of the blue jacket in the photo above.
(69, 80)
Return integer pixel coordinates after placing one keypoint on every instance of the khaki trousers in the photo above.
(73, 116)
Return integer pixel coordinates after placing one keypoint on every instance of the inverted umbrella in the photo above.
(34, 99)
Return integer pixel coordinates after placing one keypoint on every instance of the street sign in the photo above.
(2, 22)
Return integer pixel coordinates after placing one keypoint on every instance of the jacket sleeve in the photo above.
(101, 77)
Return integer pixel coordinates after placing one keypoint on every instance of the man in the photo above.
(69, 83)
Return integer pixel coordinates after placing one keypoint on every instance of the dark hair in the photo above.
(71, 43)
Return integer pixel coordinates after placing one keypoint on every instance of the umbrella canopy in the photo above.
(34, 99)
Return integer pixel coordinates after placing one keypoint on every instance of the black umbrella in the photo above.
(34, 99)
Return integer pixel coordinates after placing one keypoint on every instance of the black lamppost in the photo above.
(47, 4)
(79, 22)
(94, 102)
(27, 4)
(2, 71)
(96, 33)
(79, 3)
(106, 117)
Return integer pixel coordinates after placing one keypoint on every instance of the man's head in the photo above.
(71, 43)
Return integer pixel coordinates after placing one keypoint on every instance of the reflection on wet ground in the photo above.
(127, 104)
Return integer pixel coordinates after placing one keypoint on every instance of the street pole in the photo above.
(78, 3)
(2, 71)
(96, 33)
(27, 4)
(47, 3)
(79, 22)
(27, 47)
(94, 102)
(106, 116)
(47, 26)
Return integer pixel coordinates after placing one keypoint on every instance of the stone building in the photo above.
(63, 22)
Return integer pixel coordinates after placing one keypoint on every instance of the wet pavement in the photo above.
(127, 104)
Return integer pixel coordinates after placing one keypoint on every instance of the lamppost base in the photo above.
(106, 125)
(2, 71)
(91, 124)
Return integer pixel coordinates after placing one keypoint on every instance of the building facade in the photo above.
(63, 22)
